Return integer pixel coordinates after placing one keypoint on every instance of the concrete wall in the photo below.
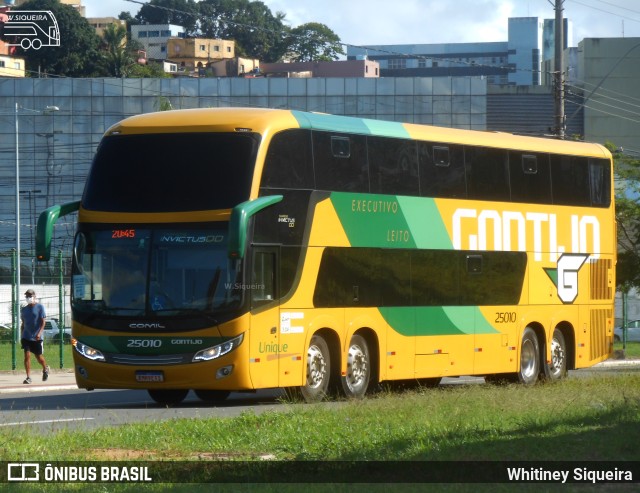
(611, 68)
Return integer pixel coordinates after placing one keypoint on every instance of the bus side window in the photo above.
(289, 163)
(263, 281)
(600, 181)
(393, 166)
(487, 174)
(530, 178)
(570, 180)
(441, 170)
(340, 162)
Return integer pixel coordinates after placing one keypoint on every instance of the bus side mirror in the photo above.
(46, 222)
(239, 220)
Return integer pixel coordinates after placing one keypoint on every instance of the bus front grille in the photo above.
(165, 359)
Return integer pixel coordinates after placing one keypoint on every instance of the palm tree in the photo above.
(117, 58)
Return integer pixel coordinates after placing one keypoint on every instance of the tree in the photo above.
(314, 42)
(179, 12)
(257, 32)
(117, 58)
(77, 54)
(628, 218)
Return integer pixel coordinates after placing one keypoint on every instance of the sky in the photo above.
(374, 22)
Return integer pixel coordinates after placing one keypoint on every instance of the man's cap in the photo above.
(30, 292)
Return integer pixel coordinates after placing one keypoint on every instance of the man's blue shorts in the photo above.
(34, 347)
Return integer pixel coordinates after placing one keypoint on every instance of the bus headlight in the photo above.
(219, 350)
(87, 351)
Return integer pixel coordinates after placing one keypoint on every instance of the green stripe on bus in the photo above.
(425, 223)
(389, 221)
(436, 320)
(333, 123)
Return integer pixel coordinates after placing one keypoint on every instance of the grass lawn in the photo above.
(51, 353)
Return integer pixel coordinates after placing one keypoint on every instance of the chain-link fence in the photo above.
(50, 281)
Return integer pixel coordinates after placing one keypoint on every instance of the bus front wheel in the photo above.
(529, 358)
(356, 380)
(168, 397)
(318, 370)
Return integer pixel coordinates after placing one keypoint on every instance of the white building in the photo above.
(154, 38)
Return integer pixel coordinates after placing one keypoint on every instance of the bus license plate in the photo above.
(149, 376)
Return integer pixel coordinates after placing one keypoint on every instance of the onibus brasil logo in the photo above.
(565, 276)
(31, 29)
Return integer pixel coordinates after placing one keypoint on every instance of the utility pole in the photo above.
(559, 75)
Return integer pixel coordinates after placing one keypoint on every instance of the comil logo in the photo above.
(31, 29)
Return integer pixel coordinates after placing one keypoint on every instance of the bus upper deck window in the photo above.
(441, 156)
(340, 147)
(529, 164)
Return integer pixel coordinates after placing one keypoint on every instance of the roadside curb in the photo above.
(61, 379)
(618, 362)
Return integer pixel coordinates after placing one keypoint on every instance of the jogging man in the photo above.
(32, 316)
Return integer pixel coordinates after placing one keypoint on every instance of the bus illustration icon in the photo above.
(31, 29)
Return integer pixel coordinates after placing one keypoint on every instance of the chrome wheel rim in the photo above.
(357, 367)
(316, 367)
(528, 360)
(557, 357)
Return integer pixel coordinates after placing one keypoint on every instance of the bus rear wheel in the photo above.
(356, 380)
(318, 370)
(168, 397)
(529, 358)
(209, 395)
(557, 368)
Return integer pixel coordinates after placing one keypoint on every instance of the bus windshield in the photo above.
(171, 172)
(154, 272)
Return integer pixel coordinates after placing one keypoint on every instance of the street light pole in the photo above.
(18, 293)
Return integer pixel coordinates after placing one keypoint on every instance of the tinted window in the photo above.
(487, 177)
(348, 277)
(171, 172)
(600, 179)
(570, 180)
(393, 166)
(383, 277)
(434, 277)
(530, 177)
(492, 278)
(289, 161)
(340, 162)
(395, 274)
(441, 171)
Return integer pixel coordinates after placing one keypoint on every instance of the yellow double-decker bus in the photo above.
(231, 249)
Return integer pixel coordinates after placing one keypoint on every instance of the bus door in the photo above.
(264, 336)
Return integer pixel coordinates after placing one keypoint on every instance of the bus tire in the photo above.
(168, 397)
(318, 370)
(529, 358)
(355, 382)
(209, 395)
(557, 368)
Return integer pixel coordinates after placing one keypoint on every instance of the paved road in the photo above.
(59, 405)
